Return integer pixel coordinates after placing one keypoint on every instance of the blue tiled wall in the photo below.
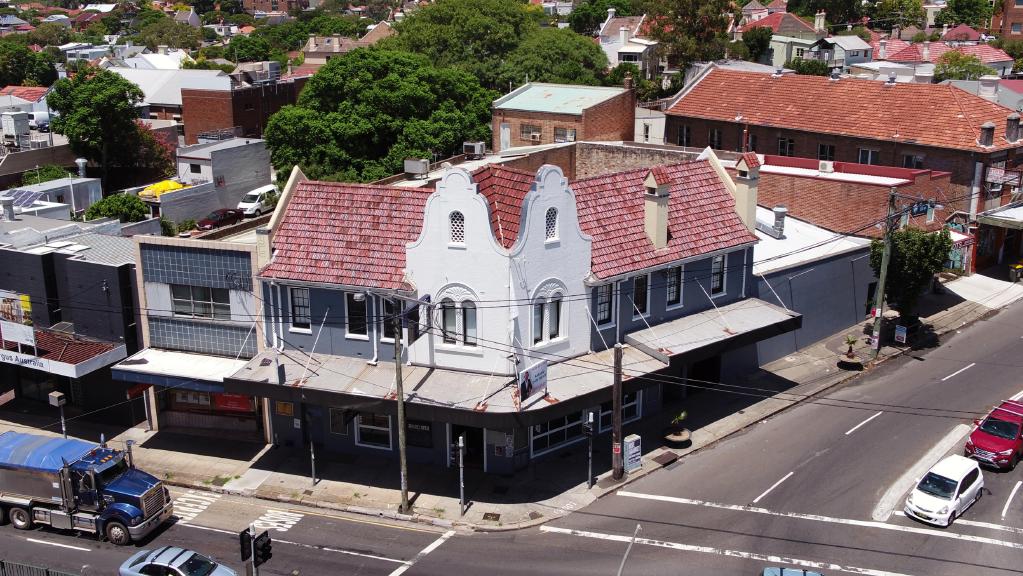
(203, 337)
(197, 267)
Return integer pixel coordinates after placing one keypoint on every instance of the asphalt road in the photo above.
(819, 486)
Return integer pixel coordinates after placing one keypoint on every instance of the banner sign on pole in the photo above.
(16, 318)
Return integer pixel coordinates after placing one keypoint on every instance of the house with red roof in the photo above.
(924, 55)
(34, 96)
(961, 34)
(784, 24)
(507, 290)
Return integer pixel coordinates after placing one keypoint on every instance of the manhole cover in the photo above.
(499, 489)
(534, 515)
(492, 517)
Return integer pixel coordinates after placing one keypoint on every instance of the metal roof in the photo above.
(164, 86)
(105, 249)
(40, 452)
(556, 98)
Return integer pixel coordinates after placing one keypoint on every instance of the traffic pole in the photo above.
(63, 427)
(589, 464)
(461, 474)
(617, 462)
(252, 544)
(889, 229)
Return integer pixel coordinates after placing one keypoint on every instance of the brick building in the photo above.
(253, 6)
(538, 113)
(246, 109)
(1008, 22)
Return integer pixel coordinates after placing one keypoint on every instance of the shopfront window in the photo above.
(556, 433)
(373, 430)
(630, 410)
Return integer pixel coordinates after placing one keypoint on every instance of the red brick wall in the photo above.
(564, 158)
(204, 110)
(542, 120)
(249, 108)
(251, 6)
(611, 120)
(614, 119)
(1002, 24)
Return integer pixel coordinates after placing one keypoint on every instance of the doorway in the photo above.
(474, 446)
(704, 371)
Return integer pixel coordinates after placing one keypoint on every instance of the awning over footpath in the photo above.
(62, 354)
(1010, 216)
(711, 332)
(172, 369)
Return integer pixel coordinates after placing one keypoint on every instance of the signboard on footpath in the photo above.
(633, 452)
(16, 318)
(900, 334)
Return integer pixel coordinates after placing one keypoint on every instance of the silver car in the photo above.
(172, 561)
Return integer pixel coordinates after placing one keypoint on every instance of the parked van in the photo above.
(946, 491)
(255, 203)
(35, 119)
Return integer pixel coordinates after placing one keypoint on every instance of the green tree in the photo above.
(837, 10)
(975, 13)
(757, 41)
(378, 10)
(737, 50)
(916, 257)
(146, 17)
(327, 24)
(248, 49)
(901, 13)
(690, 30)
(860, 31)
(554, 55)
(808, 67)
(366, 111)
(43, 174)
(955, 65)
(124, 207)
(587, 17)
(472, 35)
(167, 32)
(49, 34)
(97, 111)
(19, 65)
(1013, 48)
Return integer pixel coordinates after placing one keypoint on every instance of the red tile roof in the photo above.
(64, 348)
(348, 234)
(915, 53)
(752, 160)
(961, 33)
(782, 23)
(778, 5)
(504, 189)
(702, 218)
(1013, 85)
(30, 93)
(661, 175)
(892, 46)
(926, 114)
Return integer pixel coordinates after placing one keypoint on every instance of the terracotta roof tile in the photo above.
(752, 160)
(30, 93)
(915, 53)
(660, 174)
(504, 189)
(892, 46)
(782, 23)
(778, 5)
(64, 348)
(961, 33)
(927, 114)
(701, 219)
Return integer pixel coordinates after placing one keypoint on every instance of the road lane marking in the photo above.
(193, 503)
(856, 427)
(960, 371)
(892, 498)
(1014, 490)
(277, 520)
(990, 526)
(773, 486)
(310, 546)
(430, 548)
(766, 558)
(819, 518)
(59, 545)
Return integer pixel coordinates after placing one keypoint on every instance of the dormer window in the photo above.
(456, 226)
(651, 190)
(551, 222)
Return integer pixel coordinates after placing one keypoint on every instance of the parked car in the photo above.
(946, 491)
(998, 439)
(255, 202)
(43, 126)
(172, 561)
(788, 572)
(221, 217)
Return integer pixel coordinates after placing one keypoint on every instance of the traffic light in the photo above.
(261, 549)
(245, 542)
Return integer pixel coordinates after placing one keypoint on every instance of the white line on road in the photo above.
(433, 546)
(990, 526)
(773, 486)
(892, 498)
(767, 558)
(819, 518)
(960, 371)
(857, 427)
(58, 545)
(1013, 494)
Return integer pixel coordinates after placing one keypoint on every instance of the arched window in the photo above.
(469, 323)
(552, 223)
(456, 224)
(554, 317)
(547, 319)
(449, 320)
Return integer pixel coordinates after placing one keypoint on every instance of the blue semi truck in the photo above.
(75, 485)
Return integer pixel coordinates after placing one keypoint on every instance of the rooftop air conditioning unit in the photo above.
(417, 167)
(534, 137)
(474, 150)
(826, 166)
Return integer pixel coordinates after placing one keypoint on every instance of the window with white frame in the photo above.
(640, 295)
(630, 410)
(468, 323)
(355, 315)
(556, 433)
(869, 156)
(373, 430)
(717, 275)
(456, 227)
(551, 224)
(605, 303)
(200, 302)
(673, 285)
(564, 134)
(301, 318)
(547, 319)
(387, 320)
(448, 321)
(458, 322)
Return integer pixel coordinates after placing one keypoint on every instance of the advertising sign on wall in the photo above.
(16, 318)
(232, 402)
(533, 381)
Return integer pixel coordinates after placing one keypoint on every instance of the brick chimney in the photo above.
(655, 206)
(627, 81)
(1012, 128)
(987, 134)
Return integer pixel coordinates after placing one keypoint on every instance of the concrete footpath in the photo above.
(547, 489)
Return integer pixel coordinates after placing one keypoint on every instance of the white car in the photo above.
(255, 202)
(946, 491)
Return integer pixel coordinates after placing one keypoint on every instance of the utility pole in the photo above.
(396, 323)
(617, 462)
(889, 228)
(461, 474)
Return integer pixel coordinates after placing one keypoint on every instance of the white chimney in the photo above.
(161, 49)
(779, 220)
(7, 205)
(655, 207)
(988, 87)
(820, 22)
(944, 30)
(882, 51)
(926, 52)
(610, 13)
(623, 35)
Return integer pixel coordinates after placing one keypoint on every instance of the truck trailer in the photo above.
(76, 485)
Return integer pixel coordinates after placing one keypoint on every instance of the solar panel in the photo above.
(23, 198)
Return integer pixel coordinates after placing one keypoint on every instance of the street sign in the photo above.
(900, 334)
(616, 448)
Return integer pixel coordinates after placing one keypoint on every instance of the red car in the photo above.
(998, 439)
(218, 218)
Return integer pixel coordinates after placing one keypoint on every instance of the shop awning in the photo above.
(711, 332)
(1010, 216)
(173, 369)
(62, 354)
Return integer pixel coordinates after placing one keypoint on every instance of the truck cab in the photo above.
(997, 440)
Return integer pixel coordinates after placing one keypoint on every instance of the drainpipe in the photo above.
(280, 321)
(376, 327)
